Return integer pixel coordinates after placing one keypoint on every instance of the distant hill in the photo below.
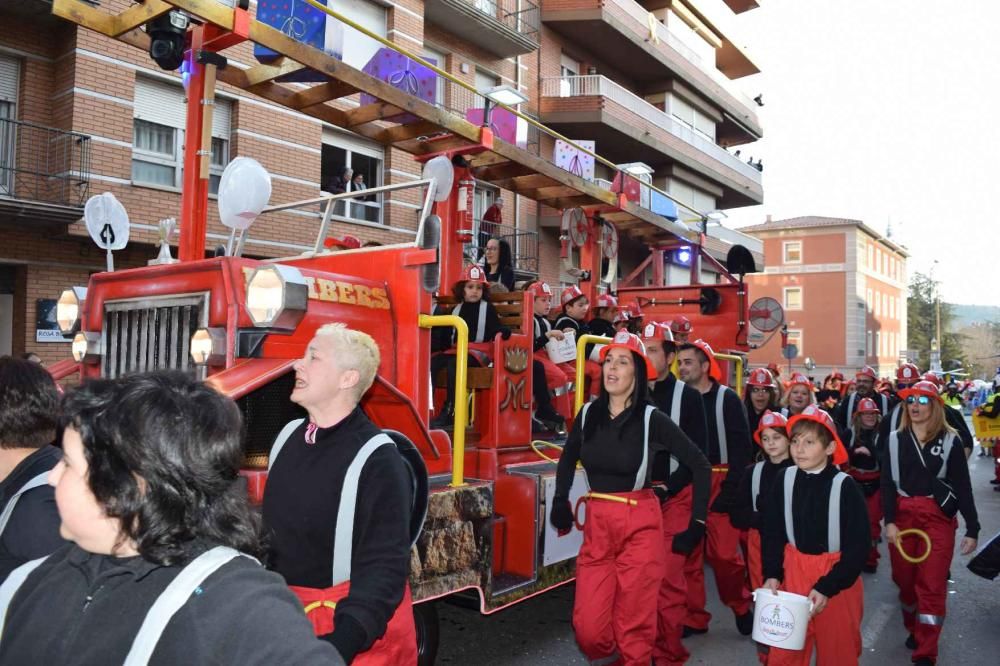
(971, 314)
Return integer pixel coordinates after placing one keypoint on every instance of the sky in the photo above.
(883, 111)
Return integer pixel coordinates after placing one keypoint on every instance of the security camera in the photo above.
(167, 34)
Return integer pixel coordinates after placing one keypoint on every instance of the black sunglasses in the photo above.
(919, 399)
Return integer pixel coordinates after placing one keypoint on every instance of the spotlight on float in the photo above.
(69, 307)
(166, 34)
(208, 346)
(86, 347)
(682, 256)
(277, 297)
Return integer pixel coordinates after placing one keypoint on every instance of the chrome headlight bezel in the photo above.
(69, 309)
(277, 297)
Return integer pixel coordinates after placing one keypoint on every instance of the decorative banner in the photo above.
(304, 23)
(661, 205)
(46, 326)
(401, 72)
(573, 160)
(505, 125)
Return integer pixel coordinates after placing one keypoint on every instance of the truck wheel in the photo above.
(425, 619)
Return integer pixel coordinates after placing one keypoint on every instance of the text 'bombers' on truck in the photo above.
(241, 323)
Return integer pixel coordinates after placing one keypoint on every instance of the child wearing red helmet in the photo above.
(771, 435)
(862, 447)
(814, 541)
(546, 374)
(624, 443)
(761, 395)
(472, 293)
(925, 482)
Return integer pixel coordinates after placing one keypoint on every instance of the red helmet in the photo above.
(347, 242)
(633, 309)
(761, 377)
(868, 405)
(714, 371)
(867, 371)
(773, 368)
(621, 316)
(540, 289)
(570, 294)
(837, 374)
(606, 301)
(655, 330)
(473, 273)
(817, 415)
(631, 342)
(932, 378)
(799, 378)
(922, 388)
(769, 419)
(907, 373)
(681, 324)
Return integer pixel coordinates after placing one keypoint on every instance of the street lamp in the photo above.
(505, 95)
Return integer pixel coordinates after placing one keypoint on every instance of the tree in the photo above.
(981, 341)
(921, 324)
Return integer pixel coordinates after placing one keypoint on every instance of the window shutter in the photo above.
(164, 103)
(10, 71)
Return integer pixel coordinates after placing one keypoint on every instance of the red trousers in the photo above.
(396, 647)
(618, 574)
(557, 380)
(721, 548)
(874, 503)
(671, 606)
(923, 588)
(834, 632)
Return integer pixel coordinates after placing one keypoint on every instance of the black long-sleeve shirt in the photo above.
(810, 521)
(612, 454)
(692, 422)
(444, 338)
(565, 321)
(916, 480)
(541, 327)
(862, 438)
(301, 501)
(850, 404)
(33, 528)
(739, 447)
(952, 417)
(601, 327)
(746, 514)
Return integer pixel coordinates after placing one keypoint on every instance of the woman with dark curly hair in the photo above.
(160, 569)
(29, 408)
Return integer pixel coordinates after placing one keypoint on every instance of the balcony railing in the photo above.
(596, 85)
(503, 27)
(641, 14)
(519, 15)
(43, 164)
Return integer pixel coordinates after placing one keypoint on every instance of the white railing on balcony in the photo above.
(641, 14)
(596, 85)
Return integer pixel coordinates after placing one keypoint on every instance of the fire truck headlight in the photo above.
(87, 347)
(208, 346)
(68, 309)
(277, 297)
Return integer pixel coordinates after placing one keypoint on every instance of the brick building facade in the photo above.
(843, 288)
(101, 116)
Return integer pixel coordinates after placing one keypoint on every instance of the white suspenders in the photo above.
(480, 324)
(675, 416)
(538, 327)
(35, 482)
(833, 517)
(758, 470)
(640, 476)
(171, 600)
(784, 412)
(343, 542)
(850, 407)
(949, 441)
(720, 425)
(897, 414)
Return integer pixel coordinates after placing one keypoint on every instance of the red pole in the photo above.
(194, 195)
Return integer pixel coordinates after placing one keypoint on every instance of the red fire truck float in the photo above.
(241, 323)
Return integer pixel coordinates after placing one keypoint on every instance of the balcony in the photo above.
(44, 174)
(627, 128)
(505, 28)
(651, 54)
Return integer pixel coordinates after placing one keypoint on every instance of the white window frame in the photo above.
(784, 298)
(350, 145)
(795, 338)
(876, 347)
(220, 147)
(892, 307)
(871, 256)
(869, 302)
(878, 304)
(432, 52)
(868, 344)
(787, 246)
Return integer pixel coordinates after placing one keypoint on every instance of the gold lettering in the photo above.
(346, 291)
(380, 300)
(311, 283)
(327, 290)
(364, 296)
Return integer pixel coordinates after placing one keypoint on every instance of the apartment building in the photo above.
(843, 288)
(652, 83)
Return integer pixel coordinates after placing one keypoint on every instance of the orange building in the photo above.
(843, 288)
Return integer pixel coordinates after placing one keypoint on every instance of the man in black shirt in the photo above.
(337, 505)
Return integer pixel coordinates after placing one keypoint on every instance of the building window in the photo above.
(792, 251)
(892, 308)
(358, 49)
(690, 117)
(793, 298)
(885, 305)
(868, 344)
(795, 338)
(878, 303)
(486, 80)
(899, 310)
(868, 301)
(438, 58)
(158, 136)
(341, 150)
(875, 348)
(871, 256)
(10, 73)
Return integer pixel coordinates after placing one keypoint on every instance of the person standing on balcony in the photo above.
(490, 225)
(498, 263)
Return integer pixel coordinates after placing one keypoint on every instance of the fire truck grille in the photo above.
(152, 334)
(266, 410)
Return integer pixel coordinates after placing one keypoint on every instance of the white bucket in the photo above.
(780, 619)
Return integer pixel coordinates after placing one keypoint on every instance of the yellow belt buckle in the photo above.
(317, 604)
(720, 469)
(612, 498)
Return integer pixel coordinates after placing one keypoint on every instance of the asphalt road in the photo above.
(539, 630)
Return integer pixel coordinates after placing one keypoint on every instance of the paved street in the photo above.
(539, 632)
